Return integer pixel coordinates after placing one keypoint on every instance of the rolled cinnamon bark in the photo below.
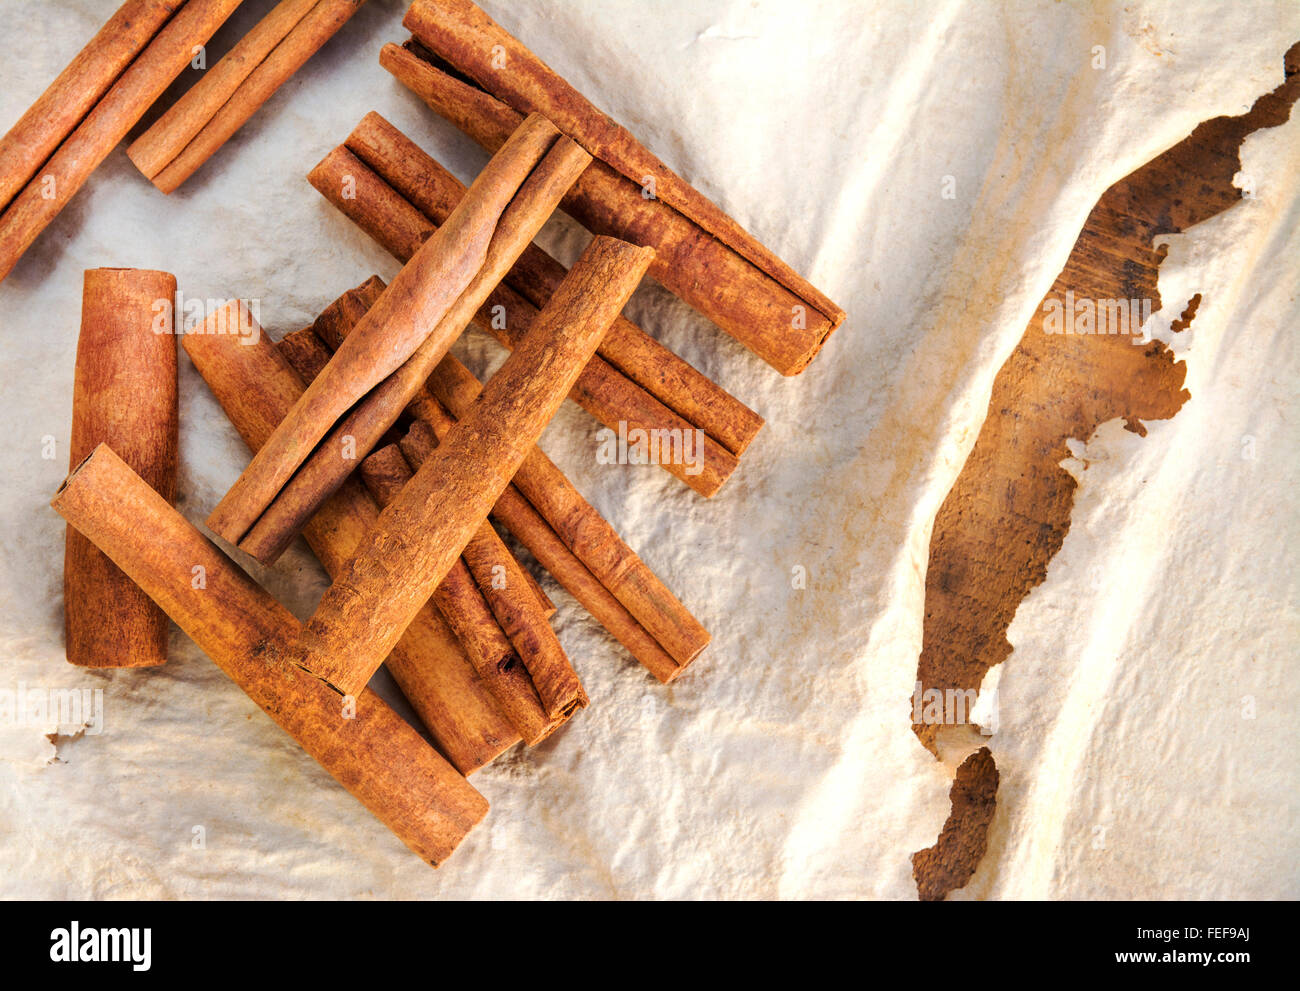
(58, 110)
(511, 599)
(702, 255)
(386, 472)
(366, 746)
(256, 387)
(434, 191)
(601, 389)
(462, 604)
(590, 536)
(336, 321)
(305, 354)
(328, 331)
(419, 536)
(220, 103)
(412, 307)
(113, 116)
(563, 502)
(124, 394)
(622, 392)
(361, 430)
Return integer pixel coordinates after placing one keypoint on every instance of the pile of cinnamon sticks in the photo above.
(386, 453)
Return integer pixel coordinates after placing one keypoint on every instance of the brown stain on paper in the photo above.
(1009, 510)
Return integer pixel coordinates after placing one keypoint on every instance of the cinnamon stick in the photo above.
(126, 101)
(589, 536)
(366, 746)
(702, 255)
(601, 389)
(434, 191)
(566, 504)
(463, 605)
(257, 386)
(394, 328)
(223, 100)
(511, 599)
(124, 394)
(278, 517)
(386, 472)
(58, 110)
(419, 536)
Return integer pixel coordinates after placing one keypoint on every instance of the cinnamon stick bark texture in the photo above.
(459, 597)
(257, 386)
(510, 681)
(512, 601)
(223, 100)
(434, 191)
(419, 536)
(58, 110)
(126, 101)
(401, 337)
(601, 389)
(576, 517)
(398, 194)
(370, 750)
(591, 538)
(702, 255)
(124, 394)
